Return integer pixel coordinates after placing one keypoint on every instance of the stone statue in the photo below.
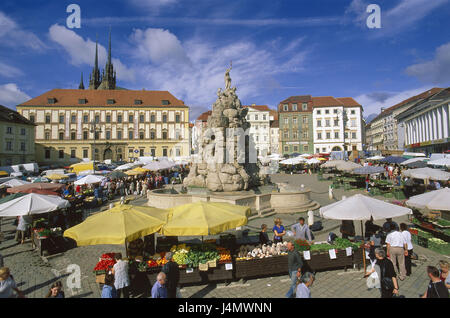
(223, 165)
(228, 78)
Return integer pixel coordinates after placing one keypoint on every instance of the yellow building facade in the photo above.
(72, 124)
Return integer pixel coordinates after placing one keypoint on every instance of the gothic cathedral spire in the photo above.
(109, 78)
(81, 86)
(95, 79)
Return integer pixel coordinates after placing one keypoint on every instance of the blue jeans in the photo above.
(367, 186)
(291, 291)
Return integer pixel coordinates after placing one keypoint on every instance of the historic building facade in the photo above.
(337, 123)
(295, 125)
(17, 136)
(425, 125)
(259, 118)
(106, 122)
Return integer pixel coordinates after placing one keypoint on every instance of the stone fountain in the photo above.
(227, 170)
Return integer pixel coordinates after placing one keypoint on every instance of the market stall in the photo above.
(43, 235)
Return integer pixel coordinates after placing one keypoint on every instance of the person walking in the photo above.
(387, 225)
(108, 290)
(407, 236)
(436, 287)
(172, 272)
(388, 278)
(159, 289)
(22, 228)
(278, 230)
(367, 182)
(397, 249)
(301, 230)
(295, 265)
(121, 277)
(144, 188)
(8, 285)
(303, 288)
(55, 291)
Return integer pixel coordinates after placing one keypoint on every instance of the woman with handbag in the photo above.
(388, 279)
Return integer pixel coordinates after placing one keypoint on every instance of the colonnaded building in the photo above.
(106, 121)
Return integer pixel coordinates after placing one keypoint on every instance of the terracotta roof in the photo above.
(204, 116)
(11, 116)
(297, 99)
(71, 97)
(423, 95)
(348, 101)
(259, 107)
(274, 113)
(322, 101)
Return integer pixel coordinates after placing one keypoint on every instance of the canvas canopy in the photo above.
(32, 203)
(360, 207)
(433, 200)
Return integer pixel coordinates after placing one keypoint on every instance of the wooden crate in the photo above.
(219, 273)
(276, 265)
(192, 278)
(322, 261)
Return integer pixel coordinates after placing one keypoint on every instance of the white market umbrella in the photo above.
(85, 172)
(332, 163)
(443, 162)
(313, 161)
(375, 158)
(427, 173)
(347, 166)
(32, 203)
(433, 200)
(126, 166)
(14, 183)
(90, 179)
(360, 207)
(404, 163)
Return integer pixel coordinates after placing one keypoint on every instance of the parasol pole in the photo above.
(363, 249)
(126, 248)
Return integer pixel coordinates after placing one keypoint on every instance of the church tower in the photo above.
(94, 78)
(81, 86)
(109, 75)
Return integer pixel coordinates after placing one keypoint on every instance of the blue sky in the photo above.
(278, 48)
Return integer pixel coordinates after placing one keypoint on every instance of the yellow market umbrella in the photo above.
(56, 176)
(204, 218)
(322, 159)
(4, 173)
(123, 223)
(133, 173)
(82, 166)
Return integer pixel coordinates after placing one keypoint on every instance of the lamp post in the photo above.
(94, 130)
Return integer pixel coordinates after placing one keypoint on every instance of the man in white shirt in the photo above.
(397, 249)
(407, 236)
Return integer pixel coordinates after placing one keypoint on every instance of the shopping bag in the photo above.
(373, 281)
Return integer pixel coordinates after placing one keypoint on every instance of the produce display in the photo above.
(248, 252)
(439, 246)
(201, 254)
(443, 222)
(338, 244)
(105, 264)
(180, 253)
(43, 233)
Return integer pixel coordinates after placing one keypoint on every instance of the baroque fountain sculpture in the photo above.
(227, 158)
(227, 170)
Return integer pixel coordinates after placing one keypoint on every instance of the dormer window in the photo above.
(82, 101)
(165, 102)
(110, 101)
(51, 100)
(138, 102)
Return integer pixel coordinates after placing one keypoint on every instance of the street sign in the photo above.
(136, 151)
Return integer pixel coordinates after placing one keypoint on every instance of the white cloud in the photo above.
(9, 71)
(372, 102)
(11, 95)
(158, 46)
(153, 4)
(82, 51)
(11, 34)
(436, 70)
(405, 15)
(193, 70)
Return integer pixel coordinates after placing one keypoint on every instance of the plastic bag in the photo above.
(373, 281)
(289, 233)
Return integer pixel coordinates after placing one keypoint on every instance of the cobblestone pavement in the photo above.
(34, 274)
